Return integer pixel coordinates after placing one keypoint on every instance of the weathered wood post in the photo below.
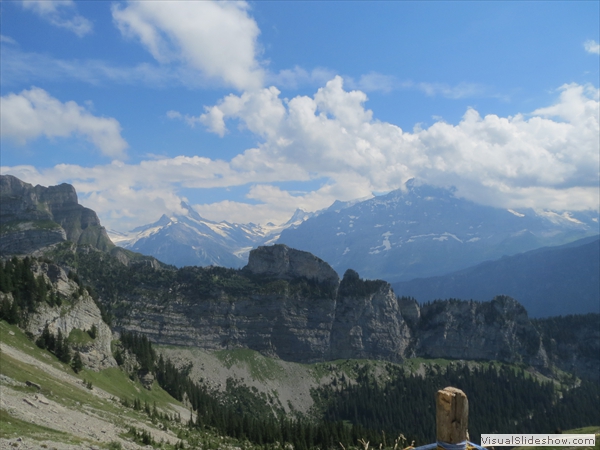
(452, 415)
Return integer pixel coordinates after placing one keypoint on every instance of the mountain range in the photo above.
(191, 240)
(548, 281)
(235, 343)
(417, 231)
(424, 231)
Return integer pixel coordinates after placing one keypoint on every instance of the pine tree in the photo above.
(62, 348)
(77, 363)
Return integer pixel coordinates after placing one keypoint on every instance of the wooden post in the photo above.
(452, 415)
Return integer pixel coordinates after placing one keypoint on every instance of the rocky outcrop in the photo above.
(33, 218)
(573, 343)
(496, 330)
(367, 322)
(290, 327)
(280, 261)
(74, 318)
(410, 309)
(26, 238)
(286, 310)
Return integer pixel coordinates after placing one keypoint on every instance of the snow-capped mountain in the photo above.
(185, 240)
(426, 231)
(417, 232)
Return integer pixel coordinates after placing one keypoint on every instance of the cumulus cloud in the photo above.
(218, 39)
(60, 14)
(34, 113)
(592, 46)
(332, 133)
(548, 158)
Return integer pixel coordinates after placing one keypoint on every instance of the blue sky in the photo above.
(250, 110)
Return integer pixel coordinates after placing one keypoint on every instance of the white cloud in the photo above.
(546, 159)
(374, 81)
(190, 120)
(19, 66)
(592, 46)
(7, 39)
(332, 133)
(33, 113)
(218, 39)
(60, 14)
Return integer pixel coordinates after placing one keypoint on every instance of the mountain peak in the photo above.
(426, 230)
(299, 216)
(46, 216)
(191, 212)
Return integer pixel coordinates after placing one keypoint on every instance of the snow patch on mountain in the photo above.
(189, 239)
(518, 214)
(432, 232)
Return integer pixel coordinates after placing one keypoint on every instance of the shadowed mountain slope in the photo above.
(36, 217)
(549, 281)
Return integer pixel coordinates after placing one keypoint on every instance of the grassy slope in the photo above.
(72, 396)
(289, 384)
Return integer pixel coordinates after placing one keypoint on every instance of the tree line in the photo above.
(26, 289)
(502, 400)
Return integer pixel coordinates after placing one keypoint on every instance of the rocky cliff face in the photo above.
(293, 306)
(368, 322)
(34, 218)
(496, 330)
(573, 343)
(80, 314)
(286, 263)
(27, 238)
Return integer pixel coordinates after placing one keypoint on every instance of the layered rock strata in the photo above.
(32, 218)
(351, 318)
(79, 313)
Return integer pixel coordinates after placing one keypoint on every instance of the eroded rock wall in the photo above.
(34, 218)
(79, 312)
(359, 319)
(496, 330)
